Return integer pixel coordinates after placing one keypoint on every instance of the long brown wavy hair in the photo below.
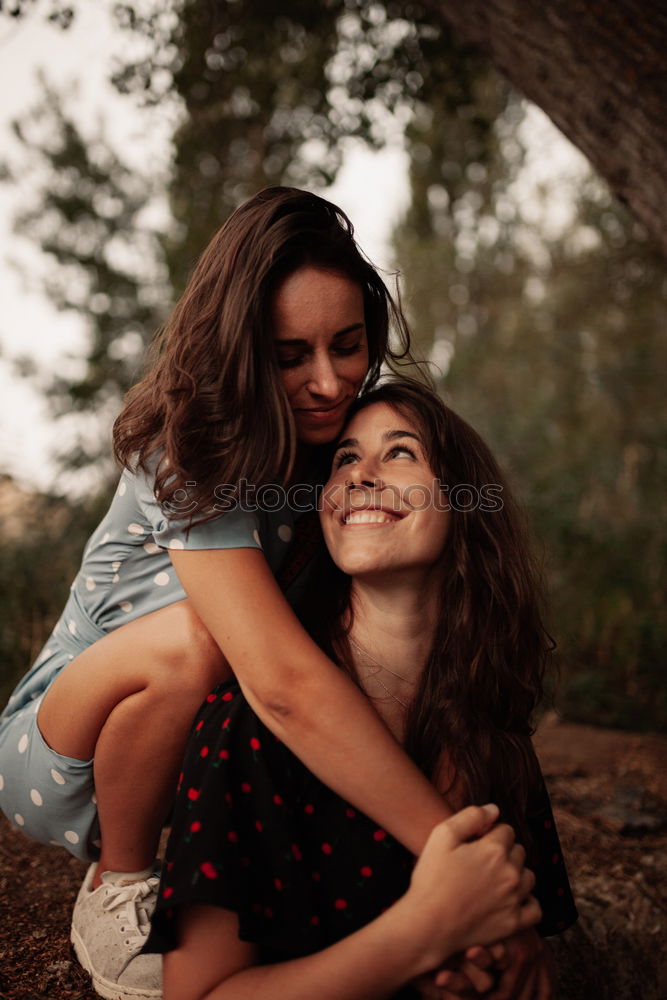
(212, 405)
(483, 678)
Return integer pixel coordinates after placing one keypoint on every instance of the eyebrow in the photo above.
(388, 436)
(301, 341)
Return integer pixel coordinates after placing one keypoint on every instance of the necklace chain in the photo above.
(386, 689)
(382, 684)
(360, 649)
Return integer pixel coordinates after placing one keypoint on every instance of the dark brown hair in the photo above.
(212, 404)
(483, 678)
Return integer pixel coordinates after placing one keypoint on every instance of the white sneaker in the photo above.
(109, 927)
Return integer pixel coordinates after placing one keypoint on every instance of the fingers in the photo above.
(530, 913)
(466, 981)
(526, 883)
(504, 835)
(479, 977)
(481, 957)
(509, 982)
(456, 984)
(497, 952)
(517, 856)
(473, 821)
(501, 954)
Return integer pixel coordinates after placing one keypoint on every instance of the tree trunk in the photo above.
(598, 68)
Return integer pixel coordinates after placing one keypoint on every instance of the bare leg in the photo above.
(128, 701)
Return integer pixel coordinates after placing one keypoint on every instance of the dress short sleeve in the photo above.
(233, 529)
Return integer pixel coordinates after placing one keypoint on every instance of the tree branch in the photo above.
(598, 70)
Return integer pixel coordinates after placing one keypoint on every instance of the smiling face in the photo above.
(383, 510)
(322, 350)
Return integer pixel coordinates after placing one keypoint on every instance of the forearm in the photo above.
(370, 964)
(334, 730)
(304, 698)
(468, 886)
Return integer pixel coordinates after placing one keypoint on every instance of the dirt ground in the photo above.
(609, 791)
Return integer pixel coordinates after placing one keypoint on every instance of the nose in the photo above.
(363, 474)
(324, 381)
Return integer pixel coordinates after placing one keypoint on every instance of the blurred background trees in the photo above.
(550, 343)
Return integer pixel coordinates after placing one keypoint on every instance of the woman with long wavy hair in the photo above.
(429, 600)
(282, 323)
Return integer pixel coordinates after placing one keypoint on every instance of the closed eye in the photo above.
(339, 352)
(345, 352)
(290, 362)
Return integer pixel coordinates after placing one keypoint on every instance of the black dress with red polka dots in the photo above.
(255, 832)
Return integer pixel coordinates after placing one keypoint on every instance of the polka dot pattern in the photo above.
(307, 852)
(125, 573)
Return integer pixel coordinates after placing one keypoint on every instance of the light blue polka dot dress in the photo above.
(126, 573)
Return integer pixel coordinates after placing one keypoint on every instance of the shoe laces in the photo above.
(135, 903)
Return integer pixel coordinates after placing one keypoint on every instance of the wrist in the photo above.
(436, 813)
(426, 942)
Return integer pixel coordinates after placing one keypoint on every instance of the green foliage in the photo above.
(554, 349)
(261, 94)
(250, 78)
(102, 261)
(267, 93)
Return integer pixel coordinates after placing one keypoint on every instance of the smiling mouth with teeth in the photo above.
(370, 517)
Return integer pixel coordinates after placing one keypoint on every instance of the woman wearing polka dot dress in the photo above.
(274, 884)
(281, 325)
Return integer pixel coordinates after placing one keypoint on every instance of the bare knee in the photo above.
(167, 657)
